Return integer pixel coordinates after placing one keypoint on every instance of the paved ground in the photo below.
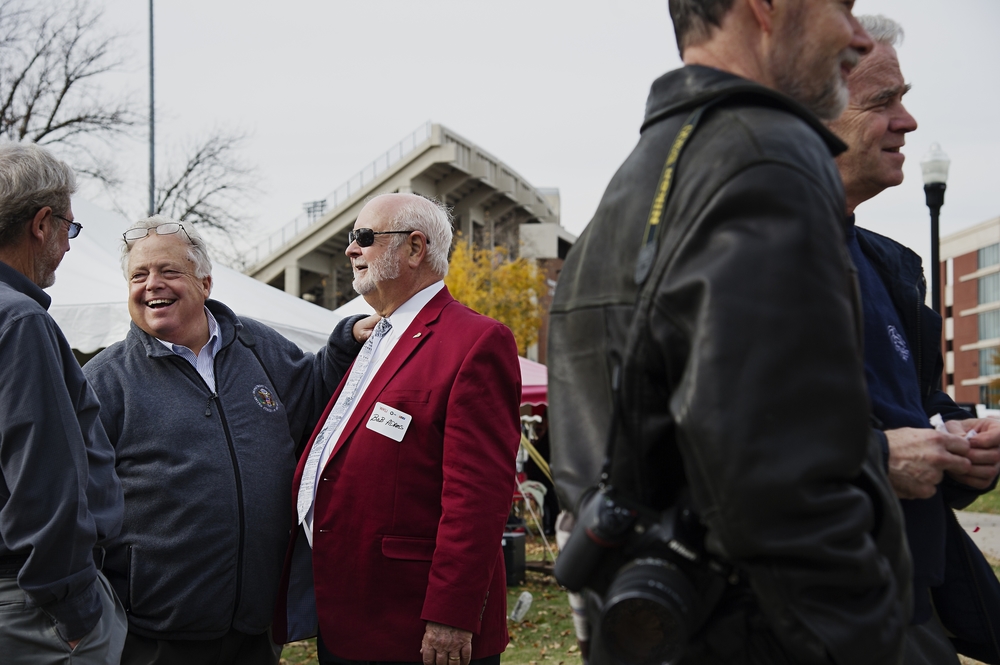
(984, 530)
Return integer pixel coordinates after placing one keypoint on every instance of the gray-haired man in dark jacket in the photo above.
(60, 499)
(207, 412)
(931, 471)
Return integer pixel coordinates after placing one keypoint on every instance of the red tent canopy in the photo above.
(534, 382)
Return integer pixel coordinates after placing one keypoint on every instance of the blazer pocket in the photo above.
(411, 549)
(392, 397)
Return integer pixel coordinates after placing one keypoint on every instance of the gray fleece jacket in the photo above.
(207, 476)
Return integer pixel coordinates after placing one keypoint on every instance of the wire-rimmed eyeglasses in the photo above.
(366, 237)
(162, 230)
(74, 226)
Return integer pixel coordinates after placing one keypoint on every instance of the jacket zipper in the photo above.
(919, 351)
(128, 580)
(214, 396)
(239, 501)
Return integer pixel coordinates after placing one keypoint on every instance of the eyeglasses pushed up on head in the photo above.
(366, 237)
(74, 226)
(162, 230)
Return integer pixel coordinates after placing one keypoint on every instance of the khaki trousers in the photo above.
(28, 636)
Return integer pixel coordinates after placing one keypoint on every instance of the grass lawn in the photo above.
(987, 503)
(544, 636)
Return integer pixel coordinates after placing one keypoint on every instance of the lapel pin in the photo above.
(416, 336)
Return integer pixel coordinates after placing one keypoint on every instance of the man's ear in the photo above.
(417, 245)
(40, 226)
(763, 12)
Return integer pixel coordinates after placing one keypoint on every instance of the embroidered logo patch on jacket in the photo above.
(898, 342)
(265, 398)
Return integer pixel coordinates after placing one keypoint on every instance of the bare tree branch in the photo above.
(49, 54)
(52, 58)
(210, 190)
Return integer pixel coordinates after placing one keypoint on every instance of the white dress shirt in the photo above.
(204, 362)
(400, 320)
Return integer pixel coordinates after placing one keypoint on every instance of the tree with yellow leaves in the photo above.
(505, 289)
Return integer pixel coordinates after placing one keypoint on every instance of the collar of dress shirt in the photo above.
(214, 338)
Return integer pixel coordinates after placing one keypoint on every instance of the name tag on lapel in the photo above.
(388, 421)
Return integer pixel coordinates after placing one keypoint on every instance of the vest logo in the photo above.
(265, 398)
(898, 342)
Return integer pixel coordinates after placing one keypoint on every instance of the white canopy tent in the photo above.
(89, 298)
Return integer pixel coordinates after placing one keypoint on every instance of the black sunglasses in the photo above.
(366, 237)
(74, 227)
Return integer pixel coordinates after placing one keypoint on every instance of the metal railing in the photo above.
(342, 194)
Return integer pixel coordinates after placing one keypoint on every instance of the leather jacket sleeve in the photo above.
(748, 350)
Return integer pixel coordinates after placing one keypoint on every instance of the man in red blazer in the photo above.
(407, 482)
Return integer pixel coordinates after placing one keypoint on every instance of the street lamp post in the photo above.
(152, 123)
(935, 167)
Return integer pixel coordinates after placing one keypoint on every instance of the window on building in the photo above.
(949, 379)
(989, 288)
(989, 256)
(989, 362)
(989, 396)
(949, 345)
(989, 324)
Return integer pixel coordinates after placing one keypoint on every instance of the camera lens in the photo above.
(649, 614)
(601, 525)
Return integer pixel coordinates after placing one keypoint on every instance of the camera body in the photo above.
(657, 582)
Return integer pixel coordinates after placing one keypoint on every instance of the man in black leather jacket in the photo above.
(931, 471)
(742, 381)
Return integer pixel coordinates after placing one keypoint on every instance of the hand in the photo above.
(363, 328)
(919, 458)
(984, 450)
(444, 645)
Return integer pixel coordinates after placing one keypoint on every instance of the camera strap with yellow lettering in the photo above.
(647, 252)
(644, 264)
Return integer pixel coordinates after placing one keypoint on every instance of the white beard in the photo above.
(381, 269)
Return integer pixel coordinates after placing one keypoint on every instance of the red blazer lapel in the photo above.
(415, 334)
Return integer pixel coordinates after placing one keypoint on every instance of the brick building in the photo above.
(970, 275)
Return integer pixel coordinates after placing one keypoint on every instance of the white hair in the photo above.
(431, 218)
(197, 250)
(882, 29)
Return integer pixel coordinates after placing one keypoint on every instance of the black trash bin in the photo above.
(513, 557)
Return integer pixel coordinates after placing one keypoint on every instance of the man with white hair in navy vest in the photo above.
(931, 471)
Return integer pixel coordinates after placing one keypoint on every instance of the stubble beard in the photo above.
(822, 90)
(381, 269)
(48, 262)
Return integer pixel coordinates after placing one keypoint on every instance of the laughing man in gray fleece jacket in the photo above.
(206, 411)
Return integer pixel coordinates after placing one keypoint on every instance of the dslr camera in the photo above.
(657, 582)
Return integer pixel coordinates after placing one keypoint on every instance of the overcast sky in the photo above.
(554, 88)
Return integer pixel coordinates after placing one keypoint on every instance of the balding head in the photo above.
(400, 246)
(414, 212)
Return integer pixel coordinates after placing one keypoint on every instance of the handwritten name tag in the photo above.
(388, 421)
